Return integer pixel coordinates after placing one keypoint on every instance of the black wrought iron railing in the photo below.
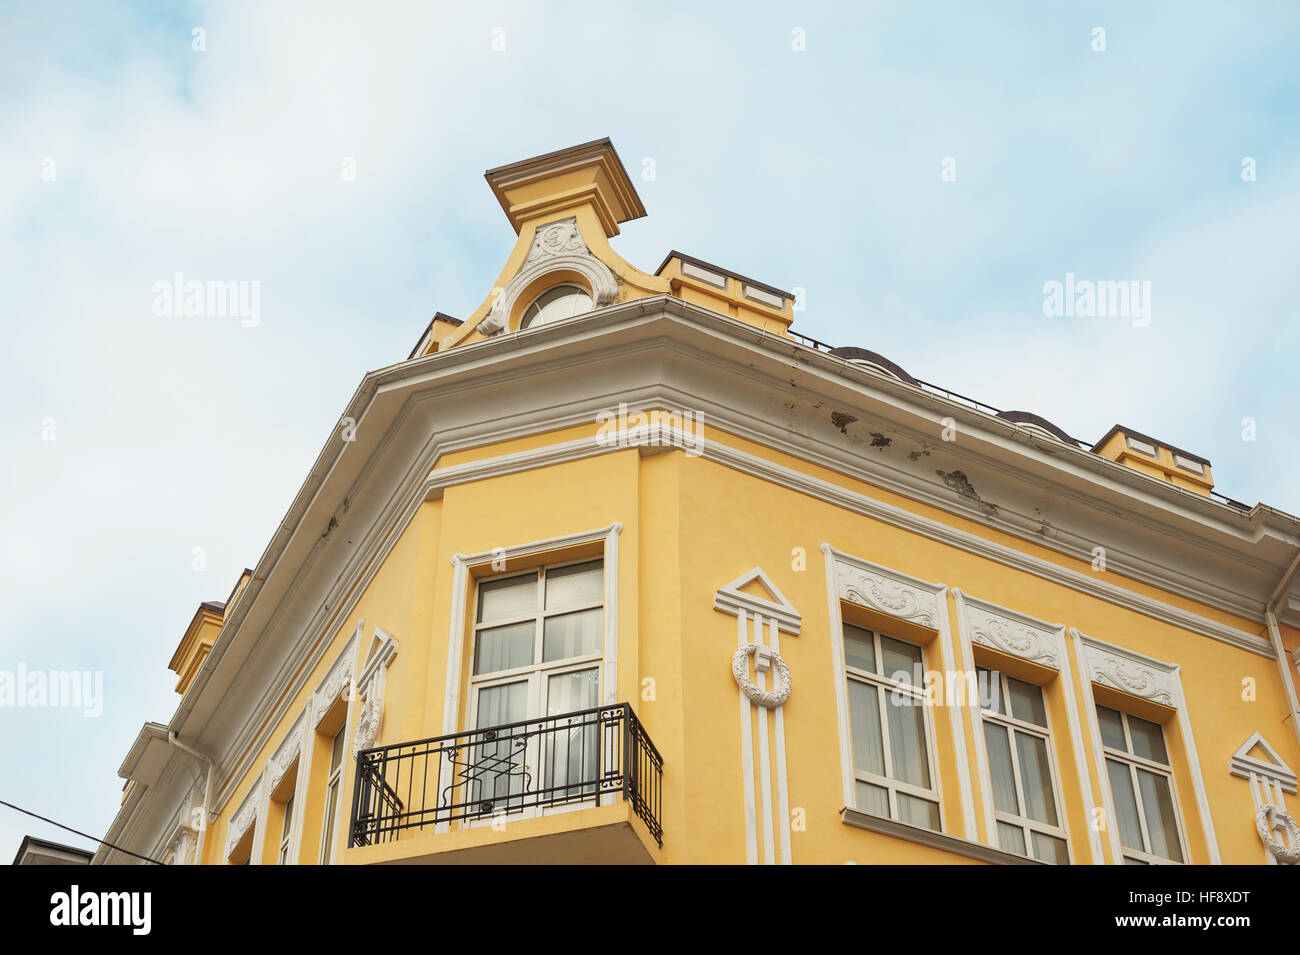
(588, 756)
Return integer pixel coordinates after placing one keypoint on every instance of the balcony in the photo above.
(581, 786)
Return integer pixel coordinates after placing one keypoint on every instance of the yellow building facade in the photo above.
(619, 568)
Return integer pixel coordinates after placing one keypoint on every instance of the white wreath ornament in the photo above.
(1269, 817)
(740, 670)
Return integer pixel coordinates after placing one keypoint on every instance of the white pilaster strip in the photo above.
(1080, 754)
(958, 728)
(764, 758)
(747, 756)
(782, 781)
(981, 754)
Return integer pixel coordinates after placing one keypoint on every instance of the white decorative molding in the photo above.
(1130, 673)
(557, 246)
(731, 598)
(288, 751)
(1268, 819)
(896, 594)
(764, 659)
(338, 678)
(1272, 767)
(370, 686)
(1270, 779)
(1014, 634)
(247, 815)
(889, 592)
(769, 616)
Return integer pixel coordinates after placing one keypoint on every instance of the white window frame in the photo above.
(886, 685)
(1012, 723)
(537, 674)
(1134, 763)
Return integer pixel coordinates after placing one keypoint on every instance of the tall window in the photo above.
(1018, 741)
(282, 856)
(538, 643)
(333, 792)
(890, 727)
(1142, 786)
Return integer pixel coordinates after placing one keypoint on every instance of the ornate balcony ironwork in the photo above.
(589, 756)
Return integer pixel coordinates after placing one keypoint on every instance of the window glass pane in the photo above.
(1128, 861)
(498, 767)
(1035, 778)
(1004, 783)
(499, 705)
(572, 634)
(864, 719)
(1027, 702)
(1050, 849)
(571, 752)
(1121, 790)
(507, 599)
(571, 692)
(1011, 838)
(336, 751)
(501, 648)
(1158, 807)
(918, 812)
(577, 585)
(327, 831)
(288, 818)
(900, 661)
(907, 739)
(1148, 740)
(859, 651)
(990, 689)
(1112, 729)
(873, 799)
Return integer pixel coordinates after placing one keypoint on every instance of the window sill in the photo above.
(935, 840)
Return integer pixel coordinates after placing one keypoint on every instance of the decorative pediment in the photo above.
(738, 596)
(288, 750)
(1130, 673)
(1257, 758)
(888, 591)
(338, 678)
(1012, 633)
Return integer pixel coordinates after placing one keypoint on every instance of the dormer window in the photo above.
(556, 304)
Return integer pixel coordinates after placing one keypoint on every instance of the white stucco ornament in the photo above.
(1269, 818)
(740, 670)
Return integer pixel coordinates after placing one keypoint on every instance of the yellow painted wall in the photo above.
(689, 526)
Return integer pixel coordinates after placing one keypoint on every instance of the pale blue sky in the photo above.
(818, 169)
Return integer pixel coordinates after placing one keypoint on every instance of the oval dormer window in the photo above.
(556, 304)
